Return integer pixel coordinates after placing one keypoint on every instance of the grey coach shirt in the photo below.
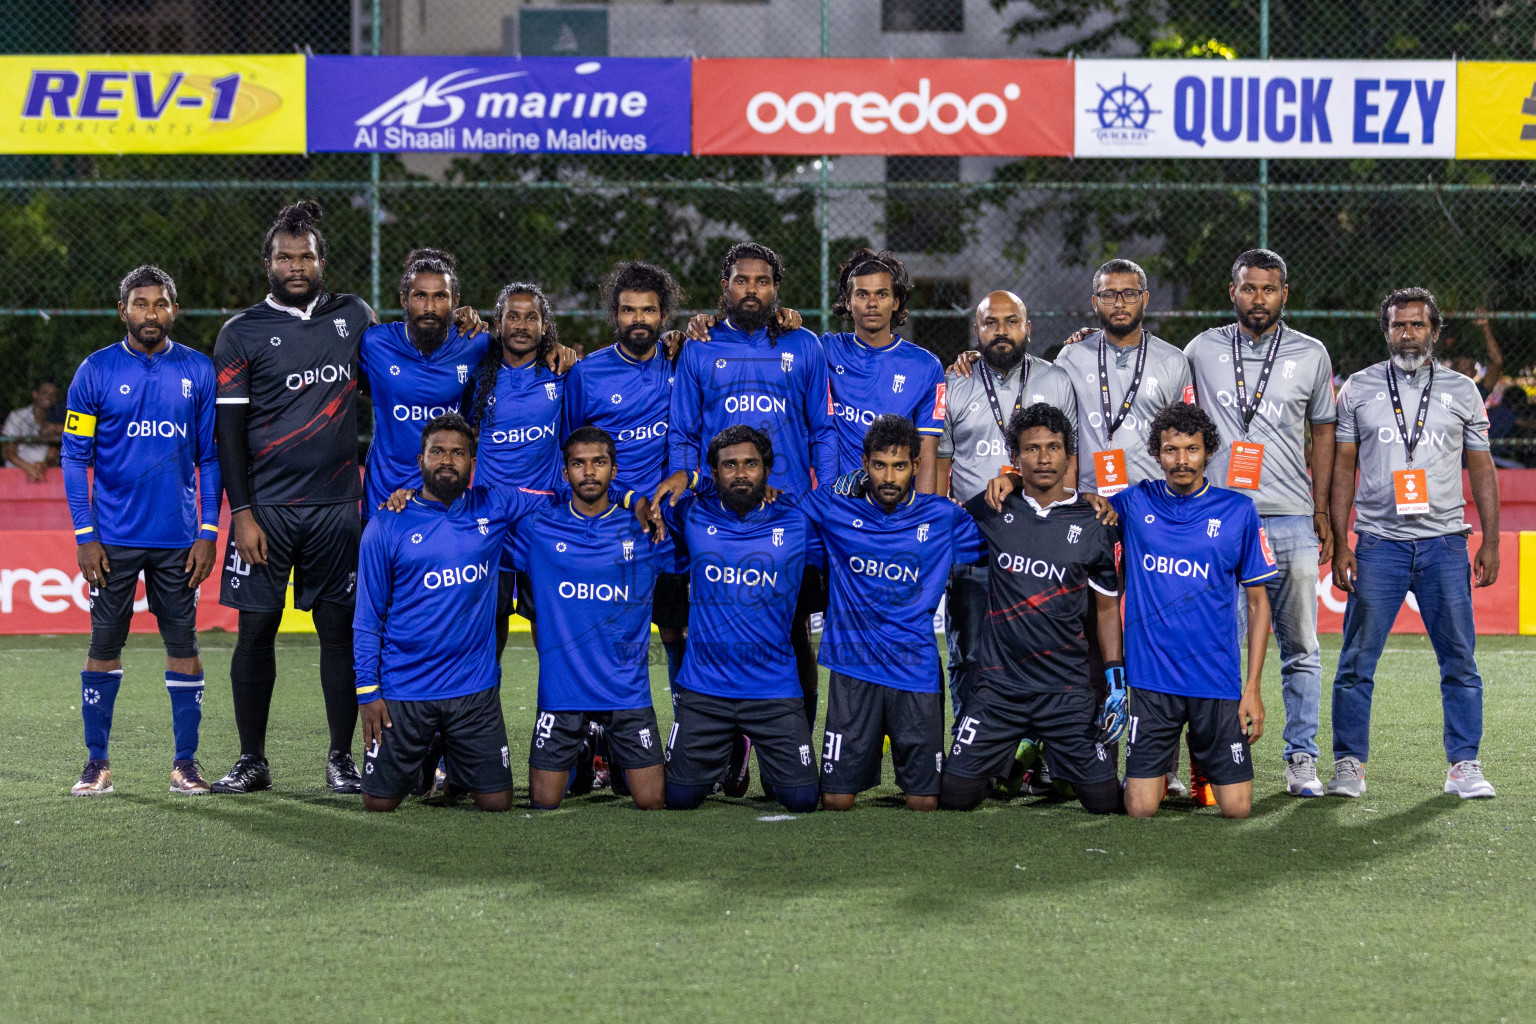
(971, 435)
(1299, 392)
(1455, 420)
(1163, 381)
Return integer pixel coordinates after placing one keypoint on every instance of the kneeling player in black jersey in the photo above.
(1049, 558)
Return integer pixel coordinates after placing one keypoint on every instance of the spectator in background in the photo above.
(1512, 418)
(1463, 361)
(33, 421)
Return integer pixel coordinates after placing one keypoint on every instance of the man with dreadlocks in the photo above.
(756, 373)
(514, 400)
(287, 438)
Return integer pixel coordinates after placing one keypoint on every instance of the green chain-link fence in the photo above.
(1351, 229)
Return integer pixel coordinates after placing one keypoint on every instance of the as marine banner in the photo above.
(152, 104)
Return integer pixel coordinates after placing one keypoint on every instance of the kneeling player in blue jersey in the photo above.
(593, 570)
(889, 552)
(1053, 570)
(424, 635)
(746, 557)
(1188, 547)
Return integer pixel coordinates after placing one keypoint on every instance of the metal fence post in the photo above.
(826, 212)
(374, 209)
(1263, 161)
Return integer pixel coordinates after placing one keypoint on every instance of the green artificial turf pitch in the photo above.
(295, 906)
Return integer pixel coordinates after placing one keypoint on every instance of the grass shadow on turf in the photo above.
(925, 864)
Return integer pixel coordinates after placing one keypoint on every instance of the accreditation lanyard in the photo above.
(1018, 403)
(1248, 411)
(1410, 441)
(1112, 425)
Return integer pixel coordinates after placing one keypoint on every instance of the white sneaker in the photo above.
(1301, 775)
(1176, 789)
(1348, 778)
(1465, 779)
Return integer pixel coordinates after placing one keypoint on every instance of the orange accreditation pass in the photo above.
(1246, 464)
(1412, 489)
(1109, 471)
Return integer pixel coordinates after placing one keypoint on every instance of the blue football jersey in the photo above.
(146, 423)
(425, 628)
(632, 400)
(778, 387)
(900, 379)
(888, 571)
(1185, 560)
(744, 578)
(593, 580)
(408, 390)
(519, 427)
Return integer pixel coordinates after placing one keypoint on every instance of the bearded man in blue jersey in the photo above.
(424, 640)
(746, 557)
(1189, 546)
(142, 414)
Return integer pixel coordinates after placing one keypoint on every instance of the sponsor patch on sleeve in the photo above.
(940, 404)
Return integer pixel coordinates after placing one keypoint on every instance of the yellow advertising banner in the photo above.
(192, 103)
(1495, 111)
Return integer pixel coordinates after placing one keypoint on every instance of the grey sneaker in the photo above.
(1176, 789)
(1465, 779)
(1301, 775)
(1348, 778)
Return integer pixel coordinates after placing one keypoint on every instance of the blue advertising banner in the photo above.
(499, 105)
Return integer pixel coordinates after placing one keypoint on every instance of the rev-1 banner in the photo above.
(499, 105)
(1274, 108)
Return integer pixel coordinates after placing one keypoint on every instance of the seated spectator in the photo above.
(33, 422)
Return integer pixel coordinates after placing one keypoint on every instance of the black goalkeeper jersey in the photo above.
(1042, 569)
(299, 376)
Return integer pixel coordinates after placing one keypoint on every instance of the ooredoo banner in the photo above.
(1273, 108)
(42, 590)
(498, 105)
(896, 107)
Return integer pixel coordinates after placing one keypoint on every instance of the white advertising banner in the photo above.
(1403, 109)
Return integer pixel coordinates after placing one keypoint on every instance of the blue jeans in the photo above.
(1439, 575)
(964, 612)
(1293, 617)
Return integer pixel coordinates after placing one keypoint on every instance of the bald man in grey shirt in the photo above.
(1267, 386)
(1405, 423)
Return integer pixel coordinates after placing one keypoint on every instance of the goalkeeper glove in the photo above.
(851, 484)
(1113, 719)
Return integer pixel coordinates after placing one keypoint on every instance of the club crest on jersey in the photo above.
(645, 738)
(805, 753)
(1213, 527)
(549, 391)
(340, 324)
(778, 536)
(463, 369)
(1237, 753)
(1445, 400)
(1073, 533)
(922, 531)
(1289, 369)
(897, 381)
(186, 388)
(629, 551)
(485, 527)
(787, 361)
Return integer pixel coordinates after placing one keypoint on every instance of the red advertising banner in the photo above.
(1496, 609)
(42, 590)
(883, 107)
